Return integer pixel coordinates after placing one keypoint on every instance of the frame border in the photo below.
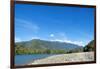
(12, 10)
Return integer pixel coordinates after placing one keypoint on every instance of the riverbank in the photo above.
(65, 58)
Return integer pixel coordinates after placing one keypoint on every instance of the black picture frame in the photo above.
(50, 4)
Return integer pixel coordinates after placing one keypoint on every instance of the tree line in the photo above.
(22, 50)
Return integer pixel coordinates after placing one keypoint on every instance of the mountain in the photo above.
(44, 46)
(89, 46)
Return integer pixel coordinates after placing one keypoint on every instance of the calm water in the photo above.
(25, 59)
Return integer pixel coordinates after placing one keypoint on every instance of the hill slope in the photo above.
(46, 46)
(89, 46)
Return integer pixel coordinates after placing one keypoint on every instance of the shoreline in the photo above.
(65, 58)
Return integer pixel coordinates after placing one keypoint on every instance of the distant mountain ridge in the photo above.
(43, 45)
(37, 43)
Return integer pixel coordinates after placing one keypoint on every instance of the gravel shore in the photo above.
(65, 58)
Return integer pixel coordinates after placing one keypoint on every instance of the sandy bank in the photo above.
(65, 58)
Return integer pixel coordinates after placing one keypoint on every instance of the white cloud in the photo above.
(80, 43)
(27, 25)
(35, 37)
(51, 35)
(61, 37)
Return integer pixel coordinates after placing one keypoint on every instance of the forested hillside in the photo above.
(89, 46)
(37, 46)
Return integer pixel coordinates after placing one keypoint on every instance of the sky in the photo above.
(54, 23)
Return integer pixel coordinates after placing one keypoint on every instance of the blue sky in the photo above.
(54, 23)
